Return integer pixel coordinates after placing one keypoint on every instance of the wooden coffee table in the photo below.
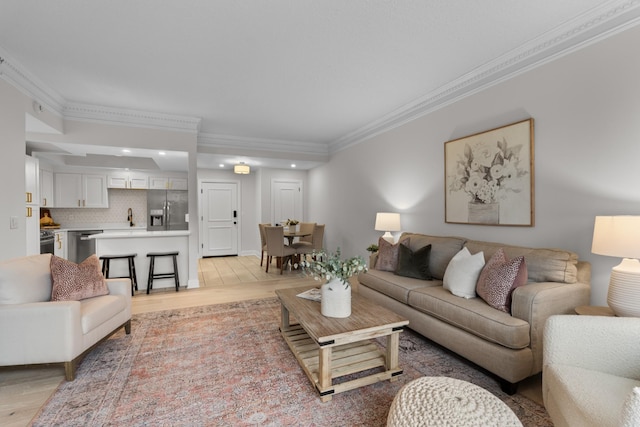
(328, 348)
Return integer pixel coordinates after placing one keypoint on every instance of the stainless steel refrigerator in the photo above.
(167, 210)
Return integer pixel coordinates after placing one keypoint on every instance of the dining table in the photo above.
(292, 235)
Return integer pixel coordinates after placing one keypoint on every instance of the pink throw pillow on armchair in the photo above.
(75, 282)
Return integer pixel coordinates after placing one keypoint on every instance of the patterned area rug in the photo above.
(227, 365)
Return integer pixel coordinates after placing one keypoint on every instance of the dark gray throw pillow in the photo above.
(414, 264)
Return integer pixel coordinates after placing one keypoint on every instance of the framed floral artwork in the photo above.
(489, 177)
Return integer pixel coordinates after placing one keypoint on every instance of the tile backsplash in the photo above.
(116, 214)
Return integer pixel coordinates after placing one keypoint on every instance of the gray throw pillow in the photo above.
(414, 264)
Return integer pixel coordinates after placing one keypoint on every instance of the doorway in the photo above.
(286, 200)
(220, 218)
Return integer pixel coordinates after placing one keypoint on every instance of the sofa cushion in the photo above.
(543, 265)
(413, 264)
(462, 273)
(387, 255)
(25, 279)
(75, 282)
(97, 311)
(472, 315)
(442, 250)
(396, 287)
(498, 279)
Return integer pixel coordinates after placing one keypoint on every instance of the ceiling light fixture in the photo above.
(162, 153)
(241, 168)
(293, 165)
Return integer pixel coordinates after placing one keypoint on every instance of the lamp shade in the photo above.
(617, 236)
(387, 221)
(242, 169)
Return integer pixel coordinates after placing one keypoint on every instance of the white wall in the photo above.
(586, 108)
(13, 107)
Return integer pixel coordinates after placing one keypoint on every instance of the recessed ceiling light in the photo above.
(293, 165)
(126, 150)
(221, 165)
(162, 153)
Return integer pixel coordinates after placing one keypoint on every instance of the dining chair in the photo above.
(277, 248)
(263, 240)
(306, 227)
(317, 238)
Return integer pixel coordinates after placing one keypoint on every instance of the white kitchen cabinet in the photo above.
(32, 208)
(60, 245)
(75, 190)
(168, 183)
(31, 180)
(128, 180)
(47, 199)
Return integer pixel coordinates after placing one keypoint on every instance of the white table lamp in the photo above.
(387, 222)
(619, 236)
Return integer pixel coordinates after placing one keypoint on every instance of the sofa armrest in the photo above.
(40, 332)
(535, 302)
(605, 344)
(119, 286)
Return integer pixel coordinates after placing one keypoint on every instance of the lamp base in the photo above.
(389, 237)
(624, 288)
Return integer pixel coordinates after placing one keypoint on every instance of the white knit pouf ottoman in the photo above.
(442, 401)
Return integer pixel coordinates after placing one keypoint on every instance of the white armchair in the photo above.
(591, 372)
(35, 330)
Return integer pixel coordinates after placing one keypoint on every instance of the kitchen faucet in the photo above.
(130, 217)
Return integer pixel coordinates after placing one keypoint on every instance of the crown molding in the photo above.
(595, 25)
(120, 116)
(15, 74)
(260, 144)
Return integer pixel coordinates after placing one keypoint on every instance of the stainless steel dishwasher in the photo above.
(80, 246)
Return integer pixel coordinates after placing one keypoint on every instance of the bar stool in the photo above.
(106, 264)
(154, 275)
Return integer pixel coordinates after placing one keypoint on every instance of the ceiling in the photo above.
(262, 80)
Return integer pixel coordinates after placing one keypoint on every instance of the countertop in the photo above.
(138, 234)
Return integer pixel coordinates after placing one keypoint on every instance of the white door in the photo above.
(220, 218)
(286, 200)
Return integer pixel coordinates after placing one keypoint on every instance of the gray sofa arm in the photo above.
(535, 302)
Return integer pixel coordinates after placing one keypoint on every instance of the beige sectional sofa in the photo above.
(37, 330)
(507, 344)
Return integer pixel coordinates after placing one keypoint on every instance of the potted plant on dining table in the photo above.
(335, 273)
(292, 224)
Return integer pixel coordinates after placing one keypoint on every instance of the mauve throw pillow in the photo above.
(388, 255)
(75, 282)
(499, 277)
(413, 264)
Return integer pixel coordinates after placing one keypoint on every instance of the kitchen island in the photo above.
(141, 242)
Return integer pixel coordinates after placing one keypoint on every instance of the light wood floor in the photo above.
(23, 391)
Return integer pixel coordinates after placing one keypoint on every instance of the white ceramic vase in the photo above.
(336, 299)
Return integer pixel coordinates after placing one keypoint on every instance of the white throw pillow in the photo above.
(462, 273)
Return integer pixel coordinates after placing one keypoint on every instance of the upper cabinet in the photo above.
(128, 179)
(46, 188)
(168, 182)
(75, 190)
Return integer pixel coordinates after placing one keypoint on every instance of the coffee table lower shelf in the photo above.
(344, 360)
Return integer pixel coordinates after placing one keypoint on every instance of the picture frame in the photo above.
(489, 177)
